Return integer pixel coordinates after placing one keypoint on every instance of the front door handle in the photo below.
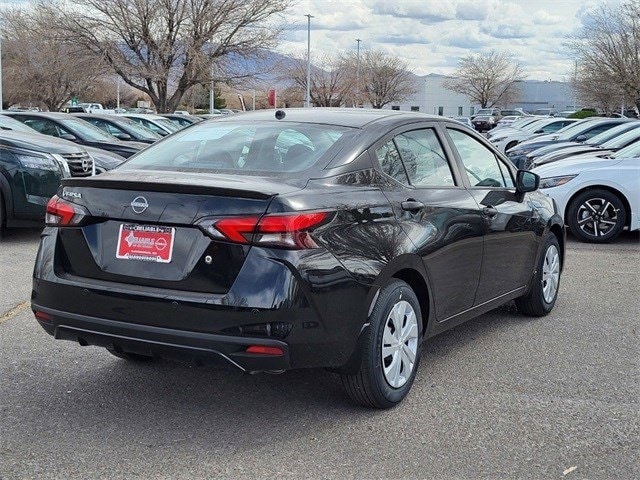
(490, 211)
(412, 205)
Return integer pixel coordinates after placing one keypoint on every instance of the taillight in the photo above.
(284, 231)
(63, 213)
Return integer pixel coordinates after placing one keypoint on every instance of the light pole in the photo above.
(308, 98)
(1, 32)
(118, 93)
(358, 74)
(212, 93)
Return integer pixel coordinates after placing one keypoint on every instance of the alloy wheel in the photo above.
(597, 217)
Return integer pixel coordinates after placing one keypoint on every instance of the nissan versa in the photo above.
(295, 239)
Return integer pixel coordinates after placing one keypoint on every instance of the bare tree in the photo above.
(330, 82)
(489, 79)
(165, 47)
(44, 69)
(608, 52)
(383, 77)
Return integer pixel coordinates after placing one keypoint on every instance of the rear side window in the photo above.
(390, 162)
(424, 159)
(259, 148)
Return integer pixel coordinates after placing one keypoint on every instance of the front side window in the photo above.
(424, 159)
(479, 162)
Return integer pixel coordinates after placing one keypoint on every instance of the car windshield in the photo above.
(139, 130)
(166, 123)
(247, 148)
(485, 111)
(532, 127)
(567, 133)
(610, 134)
(631, 151)
(86, 130)
(623, 139)
(7, 123)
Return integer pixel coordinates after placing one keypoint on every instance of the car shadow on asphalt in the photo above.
(19, 235)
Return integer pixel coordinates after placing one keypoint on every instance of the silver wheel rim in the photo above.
(597, 217)
(550, 274)
(399, 344)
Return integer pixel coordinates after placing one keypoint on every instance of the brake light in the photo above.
(284, 231)
(63, 213)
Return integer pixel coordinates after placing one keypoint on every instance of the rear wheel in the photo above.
(3, 217)
(131, 357)
(596, 216)
(540, 300)
(391, 350)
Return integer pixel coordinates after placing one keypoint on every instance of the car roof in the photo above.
(346, 117)
(148, 116)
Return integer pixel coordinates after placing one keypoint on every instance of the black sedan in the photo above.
(120, 127)
(295, 239)
(68, 127)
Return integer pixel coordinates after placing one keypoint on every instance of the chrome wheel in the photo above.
(597, 216)
(550, 274)
(399, 344)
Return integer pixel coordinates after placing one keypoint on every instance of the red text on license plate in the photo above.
(145, 242)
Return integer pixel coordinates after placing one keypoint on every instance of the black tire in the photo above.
(131, 357)
(3, 216)
(587, 219)
(367, 384)
(534, 303)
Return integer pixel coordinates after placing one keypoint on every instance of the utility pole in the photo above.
(308, 98)
(212, 93)
(358, 73)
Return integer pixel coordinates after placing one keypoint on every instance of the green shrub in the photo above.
(584, 114)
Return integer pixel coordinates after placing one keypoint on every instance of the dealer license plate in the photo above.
(148, 243)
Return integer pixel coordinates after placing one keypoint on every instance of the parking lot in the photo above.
(503, 396)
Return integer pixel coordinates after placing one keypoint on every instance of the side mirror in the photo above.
(68, 136)
(123, 136)
(581, 138)
(526, 181)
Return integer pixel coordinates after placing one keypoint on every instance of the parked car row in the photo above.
(590, 167)
(39, 149)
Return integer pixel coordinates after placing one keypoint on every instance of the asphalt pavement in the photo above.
(501, 397)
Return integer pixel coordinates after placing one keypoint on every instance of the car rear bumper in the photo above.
(315, 315)
(170, 343)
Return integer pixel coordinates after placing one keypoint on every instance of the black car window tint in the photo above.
(596, 131)
(424, 159)
(479, 161)
(390, 162)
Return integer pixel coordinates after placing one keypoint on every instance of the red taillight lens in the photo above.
(264, 350)
(284, 231)
(237, 230)
(289, 231)
(61, 213)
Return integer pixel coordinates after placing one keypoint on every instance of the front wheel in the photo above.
(391, 349)
(541, 298)
(596, 216)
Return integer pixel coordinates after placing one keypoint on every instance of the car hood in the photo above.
(547, 137)
(572, 166)
(38, 143)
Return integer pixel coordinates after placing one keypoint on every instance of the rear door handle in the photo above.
(412, 205)
(489, 211)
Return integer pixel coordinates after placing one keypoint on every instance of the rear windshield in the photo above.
(246, 148)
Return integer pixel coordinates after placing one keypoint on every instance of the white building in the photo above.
(431, 97)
